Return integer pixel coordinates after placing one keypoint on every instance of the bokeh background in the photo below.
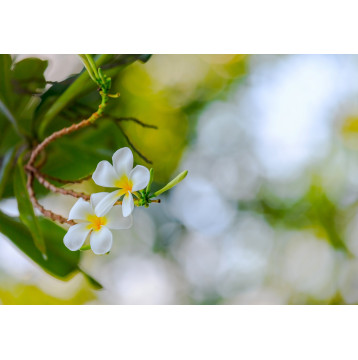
(268, 211)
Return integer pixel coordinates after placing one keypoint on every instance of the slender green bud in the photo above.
(171, 184)
(93, 65)
(151, 175)
(88, 67)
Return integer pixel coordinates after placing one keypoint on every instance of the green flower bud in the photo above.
(171, 184)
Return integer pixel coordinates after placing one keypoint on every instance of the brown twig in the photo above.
(135, 120)
(45, 212)
(32, 171)
(133, 147)
(121, 118)
(129, 118)
(54, 188)
(55, 136)
(62, 181)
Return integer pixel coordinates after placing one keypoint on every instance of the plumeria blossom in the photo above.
(121, 176)
(98, 228)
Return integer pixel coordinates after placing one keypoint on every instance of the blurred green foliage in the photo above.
(313, 211)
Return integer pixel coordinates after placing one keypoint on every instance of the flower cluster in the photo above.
(95, 219)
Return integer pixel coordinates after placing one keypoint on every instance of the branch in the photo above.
(45, 212)
(54, 188)
(133, 147)
(141, 123)
(66, 181)
(32, 171)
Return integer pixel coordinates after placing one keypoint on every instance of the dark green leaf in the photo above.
(26, 210)
(7, 167)
(70, 160)
(5, 75)
(125, 59)
(10, 117)
(60, 261)
(28, 76)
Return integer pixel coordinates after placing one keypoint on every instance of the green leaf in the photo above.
(91, 280)
(28, 76)
(26, 210)
(144, 57)
(123, 59)
(60, 261)
(18, 84)
(9, 116)
(7, 168)
(71, 160)
(5, 75)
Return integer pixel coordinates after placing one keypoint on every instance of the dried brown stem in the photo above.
(54, 188)
(45, 212)
(62, 181)
(133, 147)
(33, 171)
(135, 120)
(55, 136)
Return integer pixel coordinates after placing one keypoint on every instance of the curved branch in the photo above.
(45, 212)
(32, 171)
(54, 188)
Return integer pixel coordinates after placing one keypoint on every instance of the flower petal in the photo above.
(127, 205)
(123, 161)
(106, 203)
(105, 175)
(140, 177)
(116, 220)
(80, 210)
(97, 197)
(76, 236)
(101, 241)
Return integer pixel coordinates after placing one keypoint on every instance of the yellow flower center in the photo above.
(95, 222)
(124, 183)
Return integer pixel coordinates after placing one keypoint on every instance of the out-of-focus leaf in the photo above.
(28, 76)
(28, 294)
(5, 75)
(325, 213)
(72, 160)
(7, 168)
(26, 210)
(123, 59)
(313, 211)
(18, 84)
(92, 281)
(60, 261)
(50, 96)
(10, 117)
(164, 145)
(144, 57)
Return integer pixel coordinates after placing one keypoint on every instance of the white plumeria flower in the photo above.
(121, 176)
(99, 228)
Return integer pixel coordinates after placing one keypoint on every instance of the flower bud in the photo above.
(171, 184)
